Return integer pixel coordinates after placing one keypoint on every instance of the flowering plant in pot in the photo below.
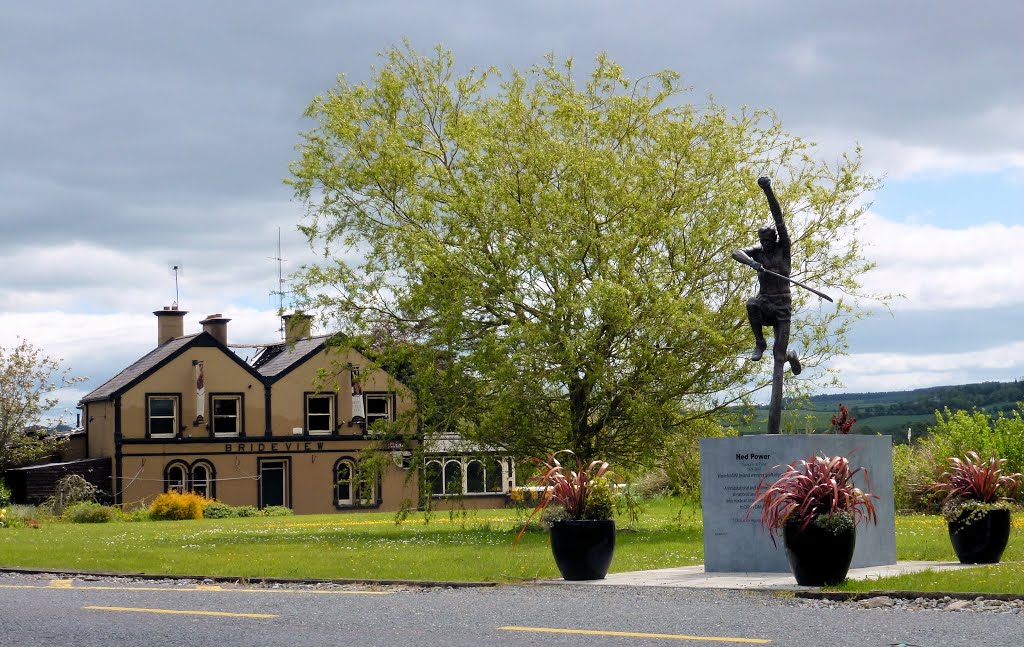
(816, 507)
(977, 506)
(578, 506)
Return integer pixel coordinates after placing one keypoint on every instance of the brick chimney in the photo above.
(296, 326)
(217, 325)
(170, 324)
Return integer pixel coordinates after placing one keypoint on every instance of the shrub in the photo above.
(247, 511)
(25, 515)
(601, 501)
(70, 490)
(277, 511)
(89, 512)
(172, 506)
(5, 495)
(954, 434)
(135, 514)
(218, 510)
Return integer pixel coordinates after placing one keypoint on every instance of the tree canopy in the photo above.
(550, 251)
(28, 380)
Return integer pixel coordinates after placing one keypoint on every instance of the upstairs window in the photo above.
(378, 407)
(227, 415)
(162, 416)
(320, 413)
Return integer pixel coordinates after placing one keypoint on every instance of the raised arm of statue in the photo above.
(773, 204)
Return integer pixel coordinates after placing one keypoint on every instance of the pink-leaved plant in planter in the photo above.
(810, 489)
(571, 489)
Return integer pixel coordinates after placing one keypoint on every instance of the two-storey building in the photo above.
(287, 429)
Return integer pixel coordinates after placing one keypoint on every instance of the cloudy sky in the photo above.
(135, 136)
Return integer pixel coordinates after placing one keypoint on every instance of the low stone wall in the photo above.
(730, 470)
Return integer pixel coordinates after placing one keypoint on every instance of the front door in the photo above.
(274, 482)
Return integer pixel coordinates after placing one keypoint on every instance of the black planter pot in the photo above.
(583, 549)
(983, 541)
(817, 557)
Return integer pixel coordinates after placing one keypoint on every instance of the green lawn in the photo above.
(924, 537)
(476, 546)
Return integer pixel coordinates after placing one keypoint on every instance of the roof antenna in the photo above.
(176, 268)
(280, 291)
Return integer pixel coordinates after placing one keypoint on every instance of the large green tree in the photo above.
(550, 251)
(29, 380)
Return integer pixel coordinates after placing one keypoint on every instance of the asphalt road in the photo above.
(40, 610)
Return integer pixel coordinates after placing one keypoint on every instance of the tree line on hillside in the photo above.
(992, 397)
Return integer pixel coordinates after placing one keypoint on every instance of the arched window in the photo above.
(201, 479)
(434, 478)
(453, 477)
(475, 477)
(353, 486)
(176, 477)
(344, 482)
(366, 487)
(495, 476)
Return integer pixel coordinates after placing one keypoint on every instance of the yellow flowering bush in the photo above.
(172, 506)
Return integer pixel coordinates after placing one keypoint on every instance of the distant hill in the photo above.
(894, 412)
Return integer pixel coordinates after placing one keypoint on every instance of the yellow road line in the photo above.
(634, 634)
(222, 614)
(66, 585)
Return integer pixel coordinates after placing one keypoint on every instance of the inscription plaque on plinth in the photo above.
(730, 470)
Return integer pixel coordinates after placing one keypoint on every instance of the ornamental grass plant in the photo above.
(818, 490)
(972, 486)
(583, 493)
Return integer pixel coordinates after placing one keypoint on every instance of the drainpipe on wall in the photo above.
(269, 428)
(118, 468)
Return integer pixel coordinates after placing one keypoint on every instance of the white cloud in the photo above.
(939, 269)
(902, 371)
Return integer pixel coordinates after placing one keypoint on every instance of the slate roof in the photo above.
(279, 359)
(141, 366)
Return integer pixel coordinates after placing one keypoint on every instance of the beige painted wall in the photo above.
(329, 372)
(310, 479)
(221, 375)
(99, 417)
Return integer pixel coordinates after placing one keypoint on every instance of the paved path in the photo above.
(695, 577)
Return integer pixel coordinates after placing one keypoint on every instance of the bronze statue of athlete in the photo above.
(773, 305)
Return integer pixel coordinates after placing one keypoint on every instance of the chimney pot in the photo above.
(297, 326)
(170, 324)
(217, 326)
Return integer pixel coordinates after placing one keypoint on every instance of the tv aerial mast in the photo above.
(280, 291)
